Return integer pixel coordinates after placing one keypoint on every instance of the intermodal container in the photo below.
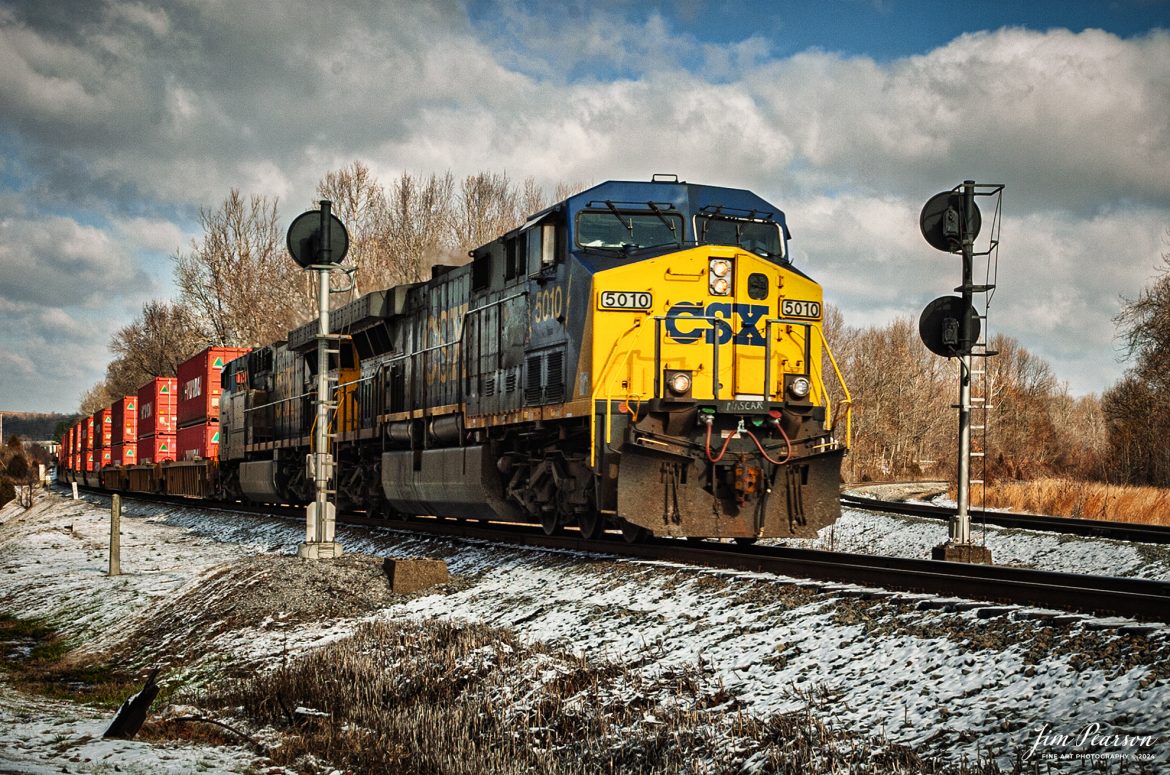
(199, 384)
(124, 420)
(124, 454)
(103, 430)
(107, 455)
(157, 403)
(87, 444)
(158, 448)
(199, 442)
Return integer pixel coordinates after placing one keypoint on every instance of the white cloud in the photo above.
(137, 115)
(58, 261)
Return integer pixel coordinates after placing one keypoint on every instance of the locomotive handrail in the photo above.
(601, 382)
(847, 402)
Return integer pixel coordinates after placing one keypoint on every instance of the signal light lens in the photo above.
(799, 387)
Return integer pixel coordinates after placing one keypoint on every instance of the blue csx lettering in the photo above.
(680, 329)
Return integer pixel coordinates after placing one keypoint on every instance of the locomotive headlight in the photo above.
(720, 276)
(799, 387)
(679, 383)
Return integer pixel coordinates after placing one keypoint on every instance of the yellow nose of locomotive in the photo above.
(709, 323)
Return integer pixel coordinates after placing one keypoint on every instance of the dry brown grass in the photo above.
(1086, 500)
(433, 697)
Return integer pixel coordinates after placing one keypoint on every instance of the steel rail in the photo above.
(1139, 599)
(1121, 531)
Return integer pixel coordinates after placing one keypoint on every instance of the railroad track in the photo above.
(1140, 599)
(1121, 531)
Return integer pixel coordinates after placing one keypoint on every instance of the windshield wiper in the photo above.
(613, 209)
(669, 224)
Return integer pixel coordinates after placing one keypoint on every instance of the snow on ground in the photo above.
(47, 736)
(895, 535)
(960, 681)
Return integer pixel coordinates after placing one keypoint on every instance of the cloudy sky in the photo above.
(119, 120)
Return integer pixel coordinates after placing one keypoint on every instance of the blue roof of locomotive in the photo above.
(688, 198)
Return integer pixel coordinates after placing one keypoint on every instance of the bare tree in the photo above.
(152, 346)
(419, 226)
(486, 207)
(97, 397)
(238, 280)
(359, 200)
(1137, 409)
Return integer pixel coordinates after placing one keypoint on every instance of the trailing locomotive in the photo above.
(641, 355)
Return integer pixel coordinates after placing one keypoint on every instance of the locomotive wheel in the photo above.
(591, 524)
(550, 522)
(634, 534)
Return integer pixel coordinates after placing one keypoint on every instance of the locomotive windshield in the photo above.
(760, 237)
(614, 229)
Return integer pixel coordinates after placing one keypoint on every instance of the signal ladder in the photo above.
(983, 387)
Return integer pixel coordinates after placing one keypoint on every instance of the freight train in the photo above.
(642, 356)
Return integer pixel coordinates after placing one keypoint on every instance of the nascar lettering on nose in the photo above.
(685, 323)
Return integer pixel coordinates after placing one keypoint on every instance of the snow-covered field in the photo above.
(964, 681)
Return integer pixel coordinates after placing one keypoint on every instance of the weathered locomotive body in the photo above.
(642, 355)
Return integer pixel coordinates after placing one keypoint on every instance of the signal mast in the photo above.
(950, 326)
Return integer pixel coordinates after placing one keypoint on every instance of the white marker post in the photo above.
(116, 536)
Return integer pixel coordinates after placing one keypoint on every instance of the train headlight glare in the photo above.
(720, 267)
(720, 286)
(679, 383)
(799, 387)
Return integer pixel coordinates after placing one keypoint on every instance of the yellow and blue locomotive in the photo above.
(641, 356)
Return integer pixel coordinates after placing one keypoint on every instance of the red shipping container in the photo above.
(87, 443)
(103, 429)
(124, 420)
(107, 455)
(156, 449)
(157, 402)
(199, 384)
(125, 454)
(199, 442)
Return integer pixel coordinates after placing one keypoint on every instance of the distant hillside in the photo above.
(38, 426)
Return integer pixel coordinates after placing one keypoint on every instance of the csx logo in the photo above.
(687, 322)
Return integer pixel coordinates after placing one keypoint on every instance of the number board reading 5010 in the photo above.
(626, 300)
(799, 308)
